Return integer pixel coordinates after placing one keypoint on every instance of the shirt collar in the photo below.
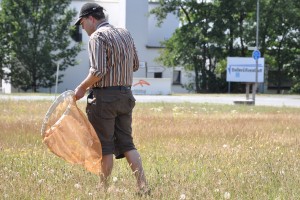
(102, 24)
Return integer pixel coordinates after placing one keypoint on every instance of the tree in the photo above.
(280, 38)
(213, 30)
(35, 35)
(190, 46)
(210, 31)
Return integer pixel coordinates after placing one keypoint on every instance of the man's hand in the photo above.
(79, 92)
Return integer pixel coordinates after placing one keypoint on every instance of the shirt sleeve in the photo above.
(97, 55)
(136, 63)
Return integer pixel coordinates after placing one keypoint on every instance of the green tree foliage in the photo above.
(213, 30)
(190, 46)
(233, 32)
(280, 26)
(35, 37)
(233, 22)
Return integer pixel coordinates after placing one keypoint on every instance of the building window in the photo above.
(157, 74)
(176, 77)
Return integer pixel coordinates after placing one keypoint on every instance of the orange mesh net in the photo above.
(68, 134)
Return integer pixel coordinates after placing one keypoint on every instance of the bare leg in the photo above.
(106, 169)
(135, 162)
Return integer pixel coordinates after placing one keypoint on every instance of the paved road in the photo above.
(261, 100)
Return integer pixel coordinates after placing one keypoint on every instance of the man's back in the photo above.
(116, 56)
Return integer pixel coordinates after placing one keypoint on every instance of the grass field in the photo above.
(189, 151)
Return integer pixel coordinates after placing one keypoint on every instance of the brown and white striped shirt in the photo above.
(113, 56)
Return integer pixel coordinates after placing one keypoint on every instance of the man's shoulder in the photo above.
(105, 33)
(100, 32)
(124, 31)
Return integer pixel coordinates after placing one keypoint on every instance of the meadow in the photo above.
(189, 151)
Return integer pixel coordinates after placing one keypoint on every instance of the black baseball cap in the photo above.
(88, 9)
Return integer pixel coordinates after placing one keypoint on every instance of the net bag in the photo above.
(68, 134)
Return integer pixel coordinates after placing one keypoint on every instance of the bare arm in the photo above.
(136, 63)
(84, 85)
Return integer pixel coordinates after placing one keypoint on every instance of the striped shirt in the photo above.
(113, 57)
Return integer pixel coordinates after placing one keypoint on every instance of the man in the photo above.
(113, 58)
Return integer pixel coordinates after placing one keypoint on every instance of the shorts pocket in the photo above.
(108, 106)
(132, 102)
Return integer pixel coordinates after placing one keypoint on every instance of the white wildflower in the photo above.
(115, 179)
(159, 109)
(35, 173)
(233, 111)
(77, 186)
(226, 195)
(182, 197)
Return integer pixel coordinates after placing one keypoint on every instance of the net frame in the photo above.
(58, 100)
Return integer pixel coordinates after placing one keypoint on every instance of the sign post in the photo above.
(246, 70)
(256, 56)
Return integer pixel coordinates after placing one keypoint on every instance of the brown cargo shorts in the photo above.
(110, 113)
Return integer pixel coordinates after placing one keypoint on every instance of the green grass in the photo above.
(189, 151)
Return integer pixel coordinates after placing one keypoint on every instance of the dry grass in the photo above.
(189, 151)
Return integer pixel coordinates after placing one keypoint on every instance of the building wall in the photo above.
(155, 35)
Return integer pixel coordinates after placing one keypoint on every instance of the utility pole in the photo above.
(256, 53)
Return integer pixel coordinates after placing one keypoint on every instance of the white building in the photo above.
(134, 16)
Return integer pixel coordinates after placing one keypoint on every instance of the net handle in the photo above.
(57, 101)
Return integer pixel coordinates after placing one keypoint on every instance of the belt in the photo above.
(113, 88)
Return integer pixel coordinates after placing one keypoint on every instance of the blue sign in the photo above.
(256, 54)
